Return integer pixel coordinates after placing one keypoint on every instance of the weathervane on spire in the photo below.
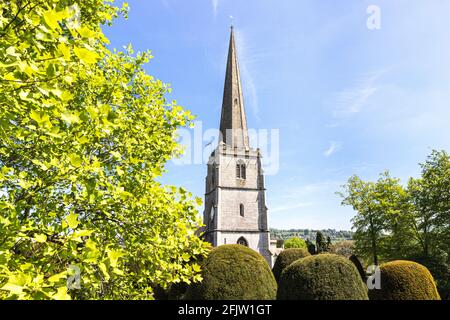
(231, 21)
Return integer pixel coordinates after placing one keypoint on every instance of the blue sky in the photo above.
(347, 100)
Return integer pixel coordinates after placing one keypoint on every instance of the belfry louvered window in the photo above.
(240, 170)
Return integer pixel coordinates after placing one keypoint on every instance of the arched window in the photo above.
(242, 242)
(241, 210)
(240, 170)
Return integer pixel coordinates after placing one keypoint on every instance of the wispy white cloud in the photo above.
(245, 60)
(314, 205)
(333, 148)
(310, 189)
(291, 207)
(215, 5)
(352, 100)
(290, 196)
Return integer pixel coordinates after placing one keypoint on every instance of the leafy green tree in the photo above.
(295, 242)
(393, 203)
(383, 223)
(430, 197)
(321, 244)
(430, 200)
(85, 133)
(280, 243)
(311, 247)
(328, 242)
(413, 223)
(368, 222)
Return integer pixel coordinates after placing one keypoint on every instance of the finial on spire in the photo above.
(231, 22)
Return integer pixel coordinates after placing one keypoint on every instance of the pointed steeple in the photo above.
(233, 122)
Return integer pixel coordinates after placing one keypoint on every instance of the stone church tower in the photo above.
(235, 209)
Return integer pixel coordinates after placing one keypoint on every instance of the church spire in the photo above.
(233, 122)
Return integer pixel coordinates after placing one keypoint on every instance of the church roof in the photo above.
(233, 122)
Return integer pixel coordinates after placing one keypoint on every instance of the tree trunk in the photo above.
(374, 249)
(374, 243)
(426, 240)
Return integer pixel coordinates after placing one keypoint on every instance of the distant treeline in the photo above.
(310, 234)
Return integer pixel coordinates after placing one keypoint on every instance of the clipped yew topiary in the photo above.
(321, 277)
(405, 280)
(285, 258)
(439, 269)
(234, 272)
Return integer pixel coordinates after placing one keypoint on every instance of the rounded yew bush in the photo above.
(234, 272)
(285, 258)
(321, 277)
(405, 280)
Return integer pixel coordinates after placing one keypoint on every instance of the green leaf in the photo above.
(86, 56)
(66, 96)
(116, 154)
(65, 51)
(24, 184)
(85, 32)
(185, 256)
(75, 160)
(70, 117)
(36, 116)
(196, 267)
(114, 256)
(57, 277)
(61, 294)
(118, 271)
(40, 238)
(43, 90)
(12, 288)
(11, 51)
(51, 18)
(16, 283)
(72, 220)
(104, 270)
(40, 164)
(82, 233)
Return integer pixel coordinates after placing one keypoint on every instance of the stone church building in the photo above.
(235, 207)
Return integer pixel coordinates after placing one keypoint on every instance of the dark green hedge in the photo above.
(285, 258)
(321, 277)
(234, 272)
(405, 280)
